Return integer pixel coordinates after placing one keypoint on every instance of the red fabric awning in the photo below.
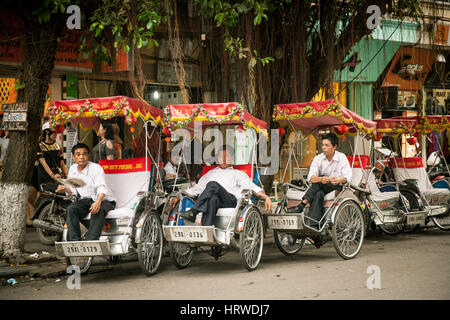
(413, 124)
(309, 116)
(89, 111)
(211, 114)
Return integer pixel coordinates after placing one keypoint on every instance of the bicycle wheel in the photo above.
(392, 229)
(288, 244)
(151, 244)
(251, 239)
(181, 254)
(442, 222)
(84, 263)
(348, 230)
(414, 205)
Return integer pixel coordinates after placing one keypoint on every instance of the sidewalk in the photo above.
(40, 261)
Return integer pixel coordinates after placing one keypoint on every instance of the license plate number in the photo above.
(82, 249)
(283, 222)
(189, 234)
(415, 219)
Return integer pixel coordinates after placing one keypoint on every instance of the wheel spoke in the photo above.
(347, 229)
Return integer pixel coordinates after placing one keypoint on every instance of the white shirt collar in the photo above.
(335, 156)
(85, 170)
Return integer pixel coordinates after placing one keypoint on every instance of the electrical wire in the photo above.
(379, 50)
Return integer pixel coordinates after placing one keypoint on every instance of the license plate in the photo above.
(82, 249)
(189, 234)
(415, 219)
(283, 222)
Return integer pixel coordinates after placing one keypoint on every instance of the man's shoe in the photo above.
(320, 240)
(317, 241)
(297, 209)
(189, 215)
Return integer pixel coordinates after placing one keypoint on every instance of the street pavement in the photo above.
(410, 266)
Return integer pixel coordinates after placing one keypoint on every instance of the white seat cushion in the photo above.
(377, 195)
(294, 194)
(225, 212)
(125, 178)
(120, 213)
(436, 192)
(357, 176)
(223, 217)
(420, 174)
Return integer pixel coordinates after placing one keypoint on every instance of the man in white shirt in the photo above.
(328, 171)
(221, 188)
(95, 196)
(170, 169)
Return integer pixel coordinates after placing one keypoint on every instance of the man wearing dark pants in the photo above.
(315, 195)
(328, 171)
(96, 197)
(220, 188)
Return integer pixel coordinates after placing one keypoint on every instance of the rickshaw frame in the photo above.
(132, 235)
(235, 235)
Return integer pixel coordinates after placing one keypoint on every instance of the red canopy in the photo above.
(309, 116)
(211, 114)
(413, 124)
(88, 111)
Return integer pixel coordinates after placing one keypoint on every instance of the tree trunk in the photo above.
(39, 45)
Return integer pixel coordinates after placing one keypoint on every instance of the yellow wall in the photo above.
(341, 98)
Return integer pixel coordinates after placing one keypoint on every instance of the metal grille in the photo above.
(7, 92)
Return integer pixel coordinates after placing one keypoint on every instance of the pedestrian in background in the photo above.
(51, 162)
(104, 150)
(4, 142)
(117, 142)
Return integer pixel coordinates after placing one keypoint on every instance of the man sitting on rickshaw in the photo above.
(221, 188)
(95, 196)
(328, 171)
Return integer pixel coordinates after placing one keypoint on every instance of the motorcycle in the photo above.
(438, 172)
(51, 211)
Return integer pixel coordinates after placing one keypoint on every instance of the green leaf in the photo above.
(92, 27)
(219, 18)
(257, 20)
(139, 43)
(241, 8)
(126, 47)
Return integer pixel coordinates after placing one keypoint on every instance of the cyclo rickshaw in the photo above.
(240, 227)
(134, 226)
(430, 201)
(344, 219)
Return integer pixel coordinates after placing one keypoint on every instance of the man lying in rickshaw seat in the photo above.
(220, 188)
(328, 171)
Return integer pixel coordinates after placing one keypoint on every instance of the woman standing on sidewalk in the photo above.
(51, 162)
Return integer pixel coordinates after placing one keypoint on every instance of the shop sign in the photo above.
(15, 116)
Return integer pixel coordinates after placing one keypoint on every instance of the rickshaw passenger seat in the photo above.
(125, 178)
(412, 168)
